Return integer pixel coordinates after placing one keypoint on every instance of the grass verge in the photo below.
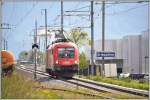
(126, 82)
(18, 87)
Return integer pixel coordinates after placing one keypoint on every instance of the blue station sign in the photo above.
(105, 54)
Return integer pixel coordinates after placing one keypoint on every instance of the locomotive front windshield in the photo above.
(66, 52)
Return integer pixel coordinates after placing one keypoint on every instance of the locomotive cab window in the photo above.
(66, 52)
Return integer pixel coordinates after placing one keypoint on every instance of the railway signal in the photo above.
(35, 46)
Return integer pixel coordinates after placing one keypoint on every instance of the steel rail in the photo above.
(115, 87)
(98, 86)
(45, 74)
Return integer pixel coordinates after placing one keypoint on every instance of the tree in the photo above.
(77, 36)
(29, 56)
(40, 56)
(23, 55)
(83, 61)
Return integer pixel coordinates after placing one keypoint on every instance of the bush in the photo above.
(83, 61)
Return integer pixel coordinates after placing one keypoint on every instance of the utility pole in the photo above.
(45, 12)
(39, 51)
(103, 36)
(35, 53)
(62, 18)
(1, 3)
(45, 27)
(6, 44)
(4, 26)
(45, 15)
(92, 31)
(92, 39)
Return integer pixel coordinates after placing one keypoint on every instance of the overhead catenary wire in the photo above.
(22, 19)
(122, 2)
(84, 15)
(12, 12)
(77, 5)
(57, 17)
(87, 6)
(51, 6)
(125, 11)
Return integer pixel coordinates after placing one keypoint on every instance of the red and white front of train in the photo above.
(65, 58)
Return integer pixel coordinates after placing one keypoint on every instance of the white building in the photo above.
(133, 49)
(145, 52)
(131, 53)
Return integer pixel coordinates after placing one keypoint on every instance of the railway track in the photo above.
(115, 87)
(98, 86)
(41, 73)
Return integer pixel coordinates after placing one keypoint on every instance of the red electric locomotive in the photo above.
(62, 59)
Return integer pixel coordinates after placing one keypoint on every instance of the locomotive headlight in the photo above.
(76, 62)
(56, 62)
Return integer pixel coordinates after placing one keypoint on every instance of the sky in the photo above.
(120, 20)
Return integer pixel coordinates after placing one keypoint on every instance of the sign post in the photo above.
(103, 55)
